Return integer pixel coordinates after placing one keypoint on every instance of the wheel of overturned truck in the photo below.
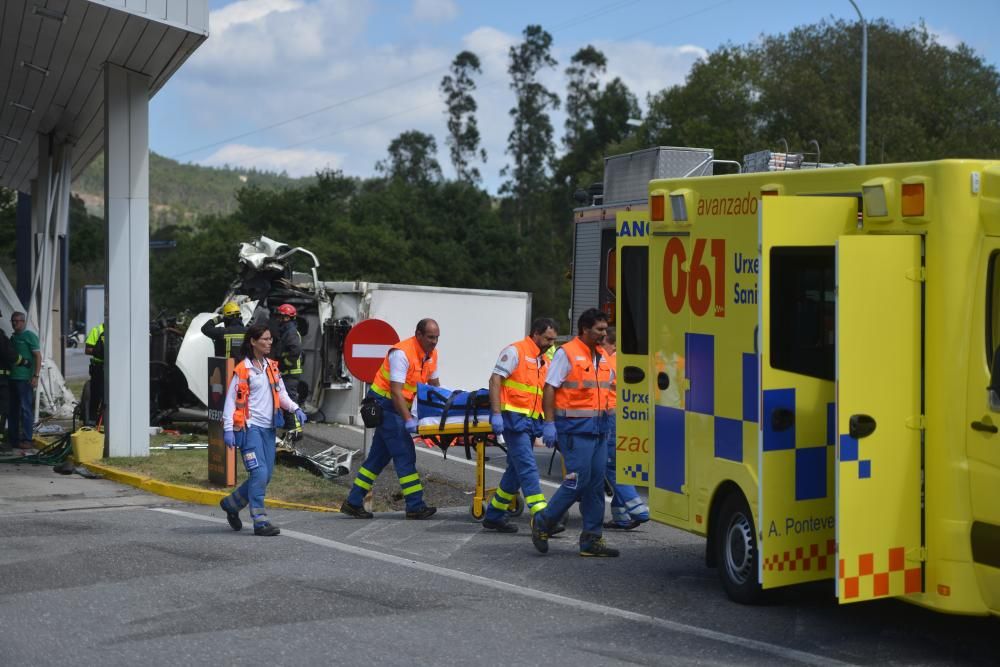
(736, 550)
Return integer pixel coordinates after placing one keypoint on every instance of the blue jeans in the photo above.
(21, 412)
(390, 443)
(256, 445)
(521, 472)
(585, 455)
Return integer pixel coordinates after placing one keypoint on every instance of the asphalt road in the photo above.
(95, 573)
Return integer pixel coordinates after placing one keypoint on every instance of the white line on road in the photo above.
(781, 652)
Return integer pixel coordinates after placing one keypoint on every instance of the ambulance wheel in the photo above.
(736, 550)
(519, 509)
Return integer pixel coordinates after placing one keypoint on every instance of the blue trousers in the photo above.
(521, 473)
(390, 443)
(585, 455)
(626, 503)
(21, 412)
(257, 450)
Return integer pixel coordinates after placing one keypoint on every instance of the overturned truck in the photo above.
(475, 325)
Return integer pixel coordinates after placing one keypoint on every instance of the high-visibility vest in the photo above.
(94, 336)
(583, 392)
(611, 400)
(521, 391)
(292, 366)
(419, 370)
(241, 416)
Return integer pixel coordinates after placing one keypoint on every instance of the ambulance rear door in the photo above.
(797, 353)
(879, 422)
(634, 379)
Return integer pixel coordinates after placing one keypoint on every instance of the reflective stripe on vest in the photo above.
(418, 371)
(521, 392)
(584, 390)
(233, 340)
(241, 416)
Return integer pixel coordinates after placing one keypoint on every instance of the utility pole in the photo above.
(864, 81)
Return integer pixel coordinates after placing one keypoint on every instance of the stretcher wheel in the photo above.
(519, 509)
(478, 510)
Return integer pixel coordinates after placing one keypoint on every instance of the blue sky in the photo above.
(314, 84)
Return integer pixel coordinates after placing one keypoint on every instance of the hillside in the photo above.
(180, 194)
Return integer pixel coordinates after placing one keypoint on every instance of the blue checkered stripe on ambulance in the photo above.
(733, 409)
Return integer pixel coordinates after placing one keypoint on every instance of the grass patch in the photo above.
(190, 468)
(75, 386)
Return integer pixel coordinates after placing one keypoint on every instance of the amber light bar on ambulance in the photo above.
(656, 208)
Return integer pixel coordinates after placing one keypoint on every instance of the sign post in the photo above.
(365, 348)
(221, 459)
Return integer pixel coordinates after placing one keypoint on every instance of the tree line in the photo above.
(409, 224)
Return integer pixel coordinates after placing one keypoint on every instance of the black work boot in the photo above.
(499, 526)
(594, 546)
(266, 530)
(630, 525)
(540, 534)
(424, 512)
(355, 511)
(232, 517)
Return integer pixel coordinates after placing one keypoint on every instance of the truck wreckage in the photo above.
(475, 325)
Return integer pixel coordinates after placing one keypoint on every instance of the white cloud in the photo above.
(945, 37)
(434, 11)
(318, 65)
(247, 11)
(648, 68)
(297, 162)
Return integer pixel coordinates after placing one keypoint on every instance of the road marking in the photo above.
(781, 652)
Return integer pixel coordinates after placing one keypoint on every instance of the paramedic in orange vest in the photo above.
(252, 412)
(408, 363)
(575, 405)
(516, 405)
(628, 509)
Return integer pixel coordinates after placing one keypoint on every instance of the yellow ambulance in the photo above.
(805, 367)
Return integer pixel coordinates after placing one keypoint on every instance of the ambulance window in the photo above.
(803, 310)
(993, 306)
(633, 301)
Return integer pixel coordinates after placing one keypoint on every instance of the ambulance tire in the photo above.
(736, 550)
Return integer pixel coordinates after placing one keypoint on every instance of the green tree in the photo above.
(463, 130)
(412, 159)
(530, 143)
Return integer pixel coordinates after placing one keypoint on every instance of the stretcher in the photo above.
(474, 437)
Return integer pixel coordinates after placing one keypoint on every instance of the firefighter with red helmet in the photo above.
(290, 359)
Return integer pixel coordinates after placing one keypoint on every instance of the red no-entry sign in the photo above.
(365, 347)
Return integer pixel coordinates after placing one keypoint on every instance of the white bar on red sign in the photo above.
(369, 351)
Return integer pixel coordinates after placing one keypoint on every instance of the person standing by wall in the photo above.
(252, 412)
(23, 381)
(627, 508)
(575, 404)
(408, 363)
(516, 388)
(95, 346)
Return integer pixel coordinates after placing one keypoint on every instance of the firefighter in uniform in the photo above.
(516, 405)
(94, 346)
(409, 362)
(254, 401)
(627, 508)
(229, 338)
(575, 405)
(290, 360)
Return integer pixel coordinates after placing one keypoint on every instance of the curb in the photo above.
(188, 494)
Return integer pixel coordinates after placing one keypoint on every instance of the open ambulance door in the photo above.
(797, 354)
(879, 422)
(633, 377)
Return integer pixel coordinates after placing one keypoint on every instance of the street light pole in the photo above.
(864, 82)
